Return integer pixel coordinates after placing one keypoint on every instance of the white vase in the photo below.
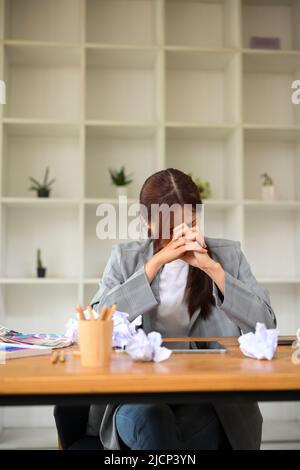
(268, 193)
(121, 191)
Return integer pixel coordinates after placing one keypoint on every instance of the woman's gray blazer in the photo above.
(244, 303)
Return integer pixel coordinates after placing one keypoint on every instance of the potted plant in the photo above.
(120, 180)
(40, 269)
(42, 189)
(268, 188)
(203, 187)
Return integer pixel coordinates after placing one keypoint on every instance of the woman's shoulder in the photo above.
(222, 242)
(226, 251)
(132, 246)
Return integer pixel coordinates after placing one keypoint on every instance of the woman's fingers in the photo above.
(190, 233)
(178, 242)
(194, 246)
(190, 244)
(188, 247)
(200, 237)
(179, 231)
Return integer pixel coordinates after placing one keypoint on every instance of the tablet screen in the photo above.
(194, 346)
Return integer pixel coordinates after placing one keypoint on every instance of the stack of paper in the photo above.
(43, 339)
(14, 351)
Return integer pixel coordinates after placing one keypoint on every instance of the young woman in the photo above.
(183, 286)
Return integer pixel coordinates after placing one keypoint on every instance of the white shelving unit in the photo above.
(94, 84)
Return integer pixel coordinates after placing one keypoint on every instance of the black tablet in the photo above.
(194, 347)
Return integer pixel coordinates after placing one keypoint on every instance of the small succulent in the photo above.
(40, 269)
(203, 187)
(267, 180)
(119, 177)
(39, 263)
(43, 189)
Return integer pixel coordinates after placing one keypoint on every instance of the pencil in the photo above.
(110, 312)
(79, 310)
(54, 357)
(90, 310)
(62, 357)
(102, 313)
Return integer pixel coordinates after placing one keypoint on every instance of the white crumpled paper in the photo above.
(123, 330)
(137, 344)
(144, 347)
(259, 345)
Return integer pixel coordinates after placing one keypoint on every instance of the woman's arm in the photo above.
(246, 301)
(242, 299)
(174, 249)
(132, 295)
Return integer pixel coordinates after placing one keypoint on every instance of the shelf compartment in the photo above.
(113, 147)
(275, 235)
(42, 82)
(28, 149)
(267, 88)
(202, 87)
(55, 231)
(285, 300)
(272, 18)
(43, 21)
(121, 22)
(121, 85)
(89, 291)
(271, 151)
(201, 23)
(223, 223)
(46, 308)
(210, 154)
(97, 251)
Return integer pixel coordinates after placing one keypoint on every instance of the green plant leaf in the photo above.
(119, 177)
(46, 176)
(51, 182)
(33, 180)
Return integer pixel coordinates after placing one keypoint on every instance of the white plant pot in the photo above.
(121, 191)
(268, 193)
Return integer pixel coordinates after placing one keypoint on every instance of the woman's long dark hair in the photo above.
(170, 187)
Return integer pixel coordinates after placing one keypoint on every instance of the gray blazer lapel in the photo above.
(147, 253)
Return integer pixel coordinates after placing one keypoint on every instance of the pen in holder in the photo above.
(95, 338)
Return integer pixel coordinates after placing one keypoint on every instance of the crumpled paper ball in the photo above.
(259, 345)
(147, 347)
(123, 330)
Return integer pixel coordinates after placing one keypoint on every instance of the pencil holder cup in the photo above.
(95, 342)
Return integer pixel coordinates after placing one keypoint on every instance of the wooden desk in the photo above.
(183, 377)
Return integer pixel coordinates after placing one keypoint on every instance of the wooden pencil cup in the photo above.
(95, 342)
